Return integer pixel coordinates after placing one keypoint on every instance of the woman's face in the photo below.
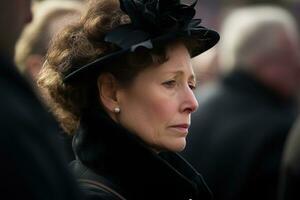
(157, 107)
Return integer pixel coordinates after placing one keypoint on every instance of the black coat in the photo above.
(237, 136)
(32, 166)
(128, 167)
(290, 167)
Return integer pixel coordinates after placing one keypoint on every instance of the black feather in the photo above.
(159, 16)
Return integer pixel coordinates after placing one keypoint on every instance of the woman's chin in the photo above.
(175, 145)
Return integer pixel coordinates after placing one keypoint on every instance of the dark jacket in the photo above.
(237, 136)
(128, 167)
(32, 166)
(290, 166)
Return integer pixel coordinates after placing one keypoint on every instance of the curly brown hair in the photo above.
(80, 44)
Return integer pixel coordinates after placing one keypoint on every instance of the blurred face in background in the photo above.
(14, 15)
(282, 67)
(157, 107)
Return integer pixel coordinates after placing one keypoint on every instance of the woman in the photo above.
(121, 81)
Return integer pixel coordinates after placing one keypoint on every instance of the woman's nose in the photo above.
(190, 103)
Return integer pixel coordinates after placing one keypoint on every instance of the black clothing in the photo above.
(31, 165)
(66, 141)
(290, 167)
(127, 166)
(237, 136)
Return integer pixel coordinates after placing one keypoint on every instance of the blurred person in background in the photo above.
(49, 17)
(238, 133)
(31, 163)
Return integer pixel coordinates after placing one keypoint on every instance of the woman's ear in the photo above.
(107, 87)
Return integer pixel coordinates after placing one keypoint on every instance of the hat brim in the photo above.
(203, 39)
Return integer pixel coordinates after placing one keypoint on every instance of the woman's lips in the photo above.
(183, 128)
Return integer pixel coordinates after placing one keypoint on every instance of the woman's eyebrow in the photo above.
(181, 72)
(193, 77)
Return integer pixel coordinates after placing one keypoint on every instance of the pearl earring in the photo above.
(117, 110)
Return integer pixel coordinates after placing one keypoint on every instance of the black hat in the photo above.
(152, 22)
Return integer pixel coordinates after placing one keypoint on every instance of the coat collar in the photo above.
(116, 154)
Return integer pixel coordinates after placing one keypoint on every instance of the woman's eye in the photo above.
(192, 86)
(170, 84)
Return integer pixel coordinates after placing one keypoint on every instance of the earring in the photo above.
(117, 110)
